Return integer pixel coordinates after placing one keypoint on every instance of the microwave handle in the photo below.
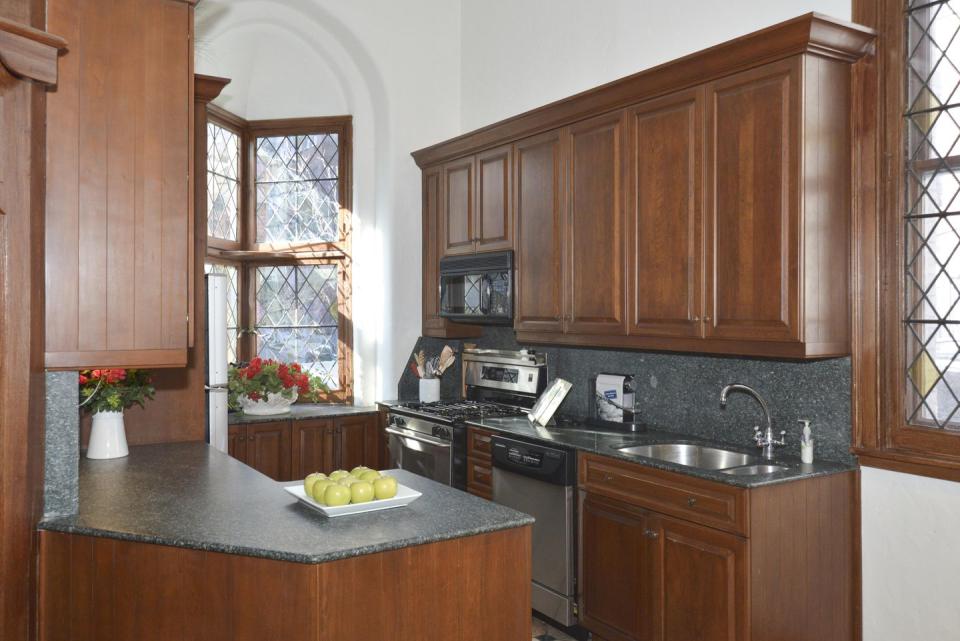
(485, 292)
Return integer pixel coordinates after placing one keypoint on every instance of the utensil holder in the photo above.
(429, 390)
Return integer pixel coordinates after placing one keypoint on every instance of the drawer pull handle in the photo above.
(606, 478)
(691, 501)
(651, 534)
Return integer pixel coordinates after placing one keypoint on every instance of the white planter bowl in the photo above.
(274, 404)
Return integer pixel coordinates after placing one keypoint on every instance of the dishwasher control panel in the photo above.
(539, 461)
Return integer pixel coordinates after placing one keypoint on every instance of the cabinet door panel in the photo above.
(665, 250)
(268, 449)
(118, 248)
(752, 220)
(312, 447)
(494, 220)
(595, 248)
(353, 442)
(432, 193)
(702, 583)
(538, 208)
(615, 571)
(457, 212)
(237, 442)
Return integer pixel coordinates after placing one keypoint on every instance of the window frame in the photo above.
(882, 436)
(247, 255)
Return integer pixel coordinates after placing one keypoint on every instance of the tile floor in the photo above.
(544, 632)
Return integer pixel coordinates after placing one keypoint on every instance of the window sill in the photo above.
(947, 469)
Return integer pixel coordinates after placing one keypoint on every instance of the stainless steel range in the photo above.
(430, 438)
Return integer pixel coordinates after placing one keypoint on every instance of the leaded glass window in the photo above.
(297, 187)
(233, 304)
(932, 220)
(223, 182)
(298, 317)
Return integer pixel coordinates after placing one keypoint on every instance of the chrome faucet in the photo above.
(763, 439)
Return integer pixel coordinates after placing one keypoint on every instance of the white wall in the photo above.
(521, 55)
(395, 67)
(911, 554)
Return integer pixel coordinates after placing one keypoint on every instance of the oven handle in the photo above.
(423, 439)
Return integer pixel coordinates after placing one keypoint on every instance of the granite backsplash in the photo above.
(681, 392)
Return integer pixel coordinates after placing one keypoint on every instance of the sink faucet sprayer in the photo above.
(763, 439)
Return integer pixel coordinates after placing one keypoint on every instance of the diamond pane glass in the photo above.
(298, 318)
(297, 186)
(223, 182)
(932, 214)
(233, 304)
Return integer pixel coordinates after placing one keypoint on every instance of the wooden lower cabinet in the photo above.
(658, 564)
(289, 450)
(479, 463)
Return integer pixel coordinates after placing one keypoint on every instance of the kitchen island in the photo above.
(180, 541)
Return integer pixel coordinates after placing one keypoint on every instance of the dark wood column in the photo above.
(28, 65)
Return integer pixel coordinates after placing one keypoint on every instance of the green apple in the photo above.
(310, 480)
(385, 487)
(339, 474)
(319, 487)
(361, 492)
(347, 481)
(336, 495)
(370, 476)
(358, 471)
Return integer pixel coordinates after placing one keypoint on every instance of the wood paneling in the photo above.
(313, 447)
(752, 229)
(457, 212)
(119, 162)
(219, 597)
(494, 214)
(539, 195)
(665, 216)
(595, 268)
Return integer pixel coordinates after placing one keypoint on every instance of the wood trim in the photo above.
(880, 437)
(208, 88)
(142, 358)
(812, 33)
(226, 118)
(30, 53)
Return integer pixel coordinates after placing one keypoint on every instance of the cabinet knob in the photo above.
(706, 319)
(651, 534)
(696, 319)
(691, 501)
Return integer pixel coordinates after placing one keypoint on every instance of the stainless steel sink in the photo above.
(703, 457)
(754, 470)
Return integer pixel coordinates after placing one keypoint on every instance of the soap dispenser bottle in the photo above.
(806, 442)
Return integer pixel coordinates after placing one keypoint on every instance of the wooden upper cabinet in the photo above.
(753, 211)
(594, 256)
(539, 195)
(432, 202)
(457, 219)
(118, 194)
(665, 216)
(494, 220)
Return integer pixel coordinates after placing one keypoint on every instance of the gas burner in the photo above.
(459, 411)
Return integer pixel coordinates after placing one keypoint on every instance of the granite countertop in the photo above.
(303, 411)
(193, 496)
(581, 437)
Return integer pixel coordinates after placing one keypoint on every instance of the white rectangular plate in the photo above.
(404, 496)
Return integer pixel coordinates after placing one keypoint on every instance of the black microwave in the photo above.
(478, 288)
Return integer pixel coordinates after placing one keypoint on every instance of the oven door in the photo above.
(421, 454)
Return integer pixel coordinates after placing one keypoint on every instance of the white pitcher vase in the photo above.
(108, 439)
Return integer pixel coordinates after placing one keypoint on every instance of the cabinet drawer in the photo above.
(478, 444)
(714, 504)
(479, 473)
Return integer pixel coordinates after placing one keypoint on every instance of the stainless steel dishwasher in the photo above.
(540, 481)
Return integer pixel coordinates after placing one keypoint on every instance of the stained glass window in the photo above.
(223, 182)
(233, 304)
(298, 317)
(932, 214)
(297, 182)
